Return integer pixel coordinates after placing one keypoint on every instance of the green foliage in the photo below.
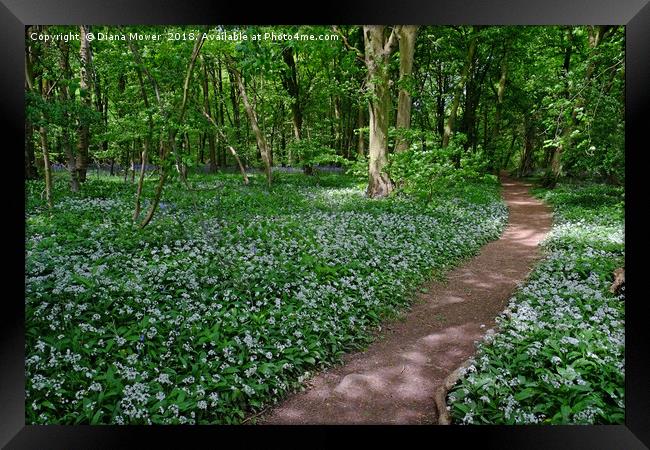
(214, 312)
(311, 152)
(425, 173)
(559, 355)
(358, 168)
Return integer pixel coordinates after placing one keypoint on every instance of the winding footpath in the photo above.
(394, 381)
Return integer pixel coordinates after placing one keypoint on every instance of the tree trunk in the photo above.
(85, 94)
(44, 92)
(171, 135)
(30, 160)
(596, 34)
(232, 150)
(45, 149)
(361, 122)
(46, 165)
(145, 148)
(234, 99)
(201, 156)
(31, 173)
(377, 54)
(491, 147)
(241, 166)
(440, 102)
(64, 95)
(290, 82)
(206, 105)
(221, 156)
(526, 165)
(133, 153)
(407, 35)
(449, 126)
(259, 135)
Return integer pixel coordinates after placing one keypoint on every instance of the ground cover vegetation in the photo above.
(559, 354)
(209, 220)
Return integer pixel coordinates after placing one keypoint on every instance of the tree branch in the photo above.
(392, 40)
(347, 45)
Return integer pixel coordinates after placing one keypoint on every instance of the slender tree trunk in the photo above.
(145, 148)
(206, 105)
(440, 101)
(259, 135)
(290, 83)
(596, 35)
(234, 99)
(377, 54)
(64, 95)
(85, 93)
(338, 133)
(105, 117)
(156, 199)
(30, 160)
(201, 155)
(555, 158)
(526, 165)
(241, 166)
(222, 147)
(31, 173)
(43, 90)
(230, 148)
(46, 151)
(133, 153)
(407, 35)
(171, 135)
(361, 123)
(46, 165)
(501, 88)
(449, 126)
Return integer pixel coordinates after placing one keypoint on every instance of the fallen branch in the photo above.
(255, 415)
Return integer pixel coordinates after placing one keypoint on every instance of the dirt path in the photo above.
(394, 380)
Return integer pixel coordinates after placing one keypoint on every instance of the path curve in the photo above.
(394, 381)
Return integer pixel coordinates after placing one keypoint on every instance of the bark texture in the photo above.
(377, 53)
(407, 35)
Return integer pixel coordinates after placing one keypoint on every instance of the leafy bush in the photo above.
(310, 152)
(559, 357)
(358, 168)
(424, 173)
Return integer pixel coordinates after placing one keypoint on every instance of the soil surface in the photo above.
(395, 379)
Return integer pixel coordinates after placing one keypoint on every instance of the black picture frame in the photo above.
(16, 14)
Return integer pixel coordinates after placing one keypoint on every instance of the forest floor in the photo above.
(394, 381)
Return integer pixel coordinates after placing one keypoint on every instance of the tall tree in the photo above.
(501, 89)
(85, 94)
(206, 105)
(252, 118)
(378, 48)
(169, 143)
(64, 92)
(31, 173)
(148, 137)
(44, 90)
(407, 35)
(596, 35)
(460, 86)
